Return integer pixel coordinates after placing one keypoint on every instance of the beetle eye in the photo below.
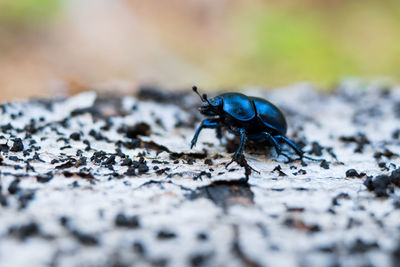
(205, 96)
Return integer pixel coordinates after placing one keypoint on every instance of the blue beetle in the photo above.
(249, 117)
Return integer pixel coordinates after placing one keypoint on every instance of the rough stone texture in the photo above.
(111, 181)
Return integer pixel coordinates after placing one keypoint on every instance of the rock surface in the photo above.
(96, 180)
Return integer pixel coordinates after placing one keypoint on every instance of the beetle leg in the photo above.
(291, 144)
(276, 145)
(207, 123)
(295, 148)
(239, 157)
(239, 151)
(243, 140)
(219, 132)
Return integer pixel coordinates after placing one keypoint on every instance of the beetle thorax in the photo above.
(213, 108)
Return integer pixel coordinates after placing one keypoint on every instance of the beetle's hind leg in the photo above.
(291, 144)
(295, 148)
(276, 145)
(207, 123)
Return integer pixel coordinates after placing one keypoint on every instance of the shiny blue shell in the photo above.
(270, 115)
(239, 106)
(242, 108)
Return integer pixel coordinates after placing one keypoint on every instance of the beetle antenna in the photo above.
(194, 88)
(206, 99)
(202, 97)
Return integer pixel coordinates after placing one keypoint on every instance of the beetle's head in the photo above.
(210, 107)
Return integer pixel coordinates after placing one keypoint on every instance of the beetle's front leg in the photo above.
(238, 157)
(239, 151)
(207, 123)
(219, 132)
(243, 140)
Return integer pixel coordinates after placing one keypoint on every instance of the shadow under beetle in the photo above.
(250, 118)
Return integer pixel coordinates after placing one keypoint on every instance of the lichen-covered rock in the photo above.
(102, 180)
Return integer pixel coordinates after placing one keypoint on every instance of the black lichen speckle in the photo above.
(3, 200)
(335, 200)
(201, 174)
(141, 165)
(202, 236)
(24, 231)
(225, 194)
(25, 197)
(139, 248)
(4, 148)
(44, 178)
(199, 260)
(386, 153)
(14, 187)
(67, 174)
(353, 173)
(278, 169)
(143, 168)
(75, 136)
(209, 162)
(395, 177)
(139, 129)
(361, 246)
(165, 235)
(110, 160)
(84, 238)
(324, 164)
(396, 134)
(66, 165)
(300, 225)
(380, 184)
(160, 95)
(126, 162)
(124, 221)
(132, 144)
(14, 158)
(97, 135)
(131, 171)
(360, 139)
(17, 146)
(316, 149)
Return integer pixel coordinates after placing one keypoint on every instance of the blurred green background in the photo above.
(66, 46)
